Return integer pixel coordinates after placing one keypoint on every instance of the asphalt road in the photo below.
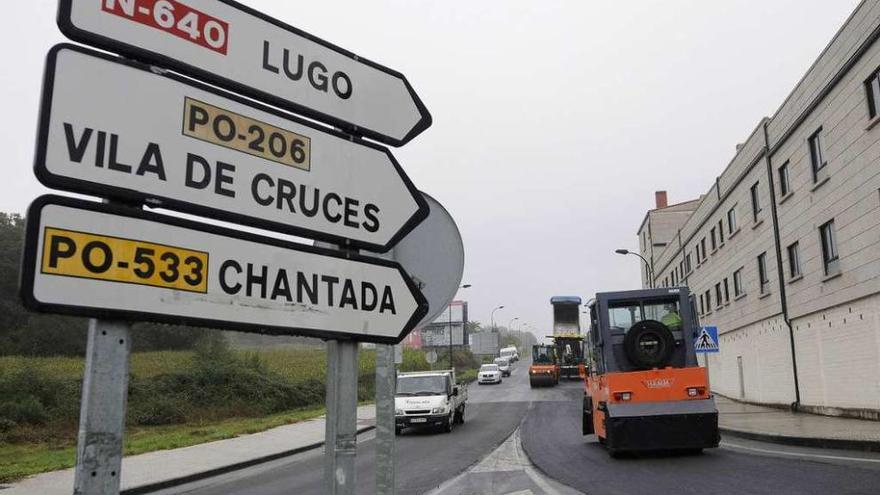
(522, 440)
(425, 459)
(552, 439)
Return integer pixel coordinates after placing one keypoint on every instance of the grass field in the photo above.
(176, 399)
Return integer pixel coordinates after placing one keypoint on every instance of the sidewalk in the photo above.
(808, 430)
(166, 468)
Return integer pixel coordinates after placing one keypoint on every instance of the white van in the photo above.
(510, 353)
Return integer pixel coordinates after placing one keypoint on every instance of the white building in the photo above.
(782, 253)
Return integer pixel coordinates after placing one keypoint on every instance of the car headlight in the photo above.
(438, 410)
(398, 412)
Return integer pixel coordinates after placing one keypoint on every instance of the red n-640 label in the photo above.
(174, 18)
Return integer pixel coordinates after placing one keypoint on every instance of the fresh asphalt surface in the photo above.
(551, 437)
(549, 427)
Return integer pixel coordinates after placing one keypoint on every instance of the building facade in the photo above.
(782, 253)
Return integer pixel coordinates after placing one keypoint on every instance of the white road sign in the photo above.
(232, 45)
(115, 129)
(107, 261)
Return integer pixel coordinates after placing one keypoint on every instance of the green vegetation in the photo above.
(20, 460)
(176, 398)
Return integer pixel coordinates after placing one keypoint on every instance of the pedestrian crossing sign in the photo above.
(707, 340)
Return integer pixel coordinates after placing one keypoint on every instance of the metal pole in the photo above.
(340, 440)
(386, 387)
(451, 362)
(102, 410)
(648, 270)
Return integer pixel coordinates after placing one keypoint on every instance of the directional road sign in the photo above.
(136, 135)
(114, 262)
(234, 46)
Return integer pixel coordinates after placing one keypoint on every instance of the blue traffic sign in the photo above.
(707, 340)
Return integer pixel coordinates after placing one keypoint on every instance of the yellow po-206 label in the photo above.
(241, 133)
(115, 259)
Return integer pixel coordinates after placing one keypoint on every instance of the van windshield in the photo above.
(421, 385)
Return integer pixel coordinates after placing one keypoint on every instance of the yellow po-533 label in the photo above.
(84, 255)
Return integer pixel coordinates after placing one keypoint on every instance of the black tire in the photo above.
(649, 344)
(450, 423)
(398, 430)
(587, 419)
(459, 415)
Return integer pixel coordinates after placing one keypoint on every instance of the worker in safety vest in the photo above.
(671, 319)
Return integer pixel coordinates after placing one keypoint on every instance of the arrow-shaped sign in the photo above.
(113, 128)
(107, 261)
(234, 46)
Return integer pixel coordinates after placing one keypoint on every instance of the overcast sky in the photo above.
(554, 121)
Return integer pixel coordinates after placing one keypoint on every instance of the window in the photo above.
(703, 247)
(731, 220)
(738, 289)
(872, 87)
(718, 295)
(763, 280)
(756, 202)
(721, 231)
(726, 292)
(702, 306)
(708, 302)
(712, 239)
(816, 159)
(784, 181)
(687, 263)
(794, 260)
(829, 248)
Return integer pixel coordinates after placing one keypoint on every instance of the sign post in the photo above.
(185, 146)
(140, 135)
(106, 261)
(102, 410)
(230, 45)
(340, 439)
(386, 387)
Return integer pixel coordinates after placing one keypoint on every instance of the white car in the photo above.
(503, 365)
(489, 373)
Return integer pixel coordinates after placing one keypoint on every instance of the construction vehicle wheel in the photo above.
(649, 344)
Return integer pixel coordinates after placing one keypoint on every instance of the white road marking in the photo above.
(797, 454)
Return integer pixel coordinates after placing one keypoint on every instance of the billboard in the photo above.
(485, 343)
(454, 317)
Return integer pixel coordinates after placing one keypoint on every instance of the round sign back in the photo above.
(433, 256)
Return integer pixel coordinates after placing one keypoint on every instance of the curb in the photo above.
(170, 483)
(815, 442)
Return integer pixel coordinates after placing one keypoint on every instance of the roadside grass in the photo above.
(176, 399)
(21, 460)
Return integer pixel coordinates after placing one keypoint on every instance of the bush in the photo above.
(156, 411)
(24, 410)
(31, 396)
